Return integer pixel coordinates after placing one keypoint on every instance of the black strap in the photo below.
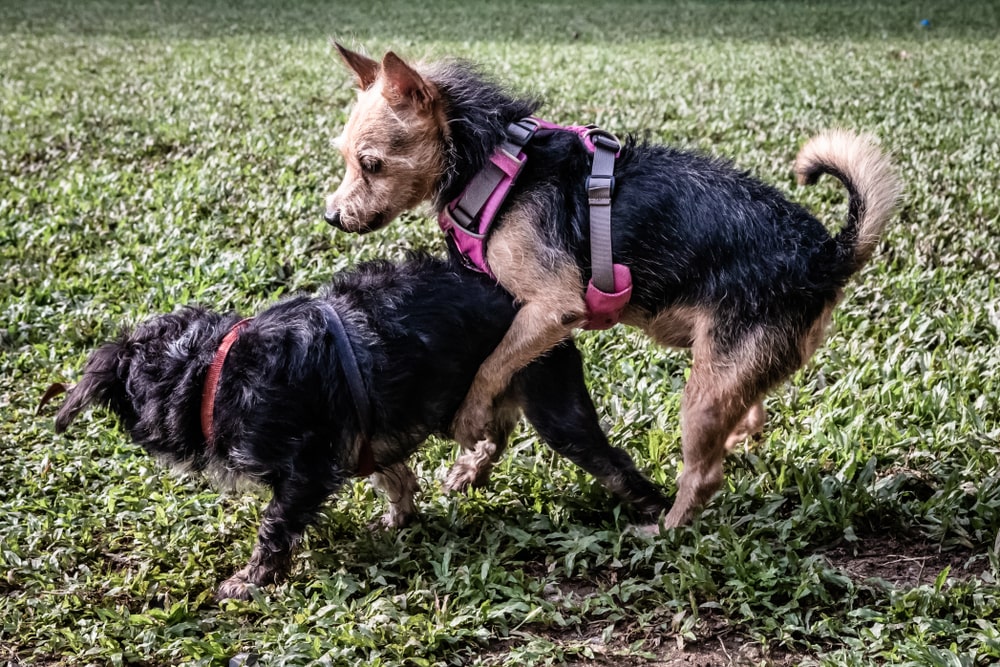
(349, 364)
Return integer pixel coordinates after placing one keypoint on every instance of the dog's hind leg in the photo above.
(722, 400)
(399, 484)
(292, 508)
(555, 400)
(711, 407)
(750, 425)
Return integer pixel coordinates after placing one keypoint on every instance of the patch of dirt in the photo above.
(903, 562)
(738, 655)
(719, 646)
(727, 650)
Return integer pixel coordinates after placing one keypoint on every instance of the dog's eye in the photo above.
(371, 165)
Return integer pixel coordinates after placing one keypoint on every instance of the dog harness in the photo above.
(468, 218)
(348, 362)
(355, 386)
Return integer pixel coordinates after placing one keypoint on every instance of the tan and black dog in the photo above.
(720, 262)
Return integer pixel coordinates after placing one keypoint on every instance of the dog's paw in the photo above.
(235, 587)
(460, 478)
(643, 530)
(392, 521)
(472, 468)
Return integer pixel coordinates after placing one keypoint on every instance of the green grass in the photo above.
(156, 153)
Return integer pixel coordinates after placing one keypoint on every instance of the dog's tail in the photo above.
(872, 184)
(98, 385)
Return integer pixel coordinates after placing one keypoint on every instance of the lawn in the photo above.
(159, 153)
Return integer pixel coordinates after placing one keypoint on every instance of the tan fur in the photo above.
(365, 69)
(720, 407)
(710, 411)
(550, 287)
(673, 327)
(751, 424)
(858, 157)
(470, 465)
(473, 466)
(397, 107)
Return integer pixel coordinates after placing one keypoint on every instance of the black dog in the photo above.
(287, 412)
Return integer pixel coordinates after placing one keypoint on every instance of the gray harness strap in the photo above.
(467, 219)
(600, 187)
(470, 204)
(355, 386)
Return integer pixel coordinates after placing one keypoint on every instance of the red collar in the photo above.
(212, 379)
(366, 456)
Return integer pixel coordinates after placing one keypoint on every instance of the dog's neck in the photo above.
(478, 112)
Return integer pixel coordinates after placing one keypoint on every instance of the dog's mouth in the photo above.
(334, 219)
(377, 222)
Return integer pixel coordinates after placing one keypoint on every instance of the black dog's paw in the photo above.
(236, 587)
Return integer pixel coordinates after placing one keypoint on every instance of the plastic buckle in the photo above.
(604, 139)
(460, 217)
(600, 189)
(462, 221)
(521, 131)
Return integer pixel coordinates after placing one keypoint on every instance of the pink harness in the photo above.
(467, 219)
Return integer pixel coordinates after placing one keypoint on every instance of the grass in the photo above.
(156, 153)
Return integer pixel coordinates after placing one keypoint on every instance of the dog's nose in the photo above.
(333, 218)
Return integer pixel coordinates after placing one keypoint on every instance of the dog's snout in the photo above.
(333, 218)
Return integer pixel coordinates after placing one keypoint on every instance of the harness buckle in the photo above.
(462, 221)
(603, 139)
(600, 189)
(521, 131)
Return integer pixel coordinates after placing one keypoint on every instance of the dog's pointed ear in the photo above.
(404, 86)
(364, 68)
(100, 379)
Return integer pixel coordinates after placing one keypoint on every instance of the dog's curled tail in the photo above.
(872, 184)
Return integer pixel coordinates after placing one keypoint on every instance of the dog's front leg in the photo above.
(548, 284)
(473, 466)
(285, 520)
(555, 400)
(535, 331)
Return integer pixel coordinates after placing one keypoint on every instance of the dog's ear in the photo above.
(404, 86)
(100, 384)
(364, 68)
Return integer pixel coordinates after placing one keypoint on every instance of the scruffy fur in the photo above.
(721, 262)
(284, 415)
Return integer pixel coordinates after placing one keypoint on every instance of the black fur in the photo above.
(283, 413)
(479, 112)
(693, 229)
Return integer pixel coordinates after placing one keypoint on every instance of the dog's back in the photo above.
(418, 329)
